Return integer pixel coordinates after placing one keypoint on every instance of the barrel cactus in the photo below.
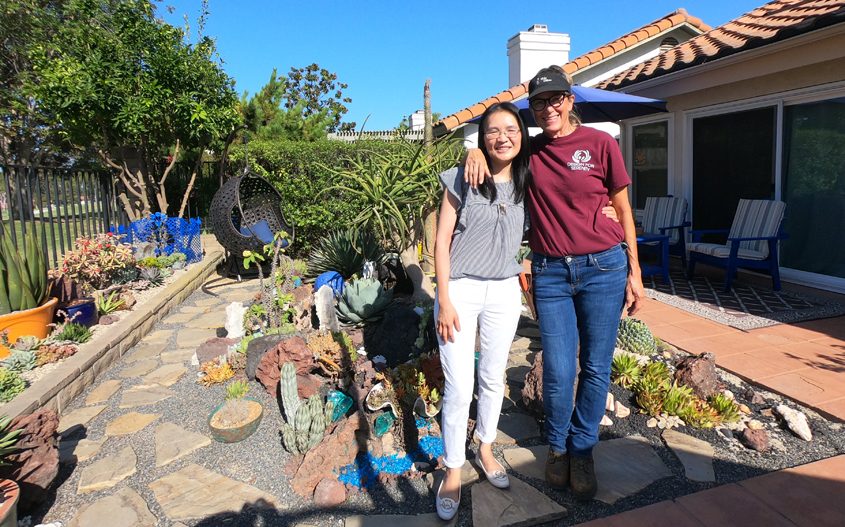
(635, 337)
(23, 273)
(306, 422)
(363, 301)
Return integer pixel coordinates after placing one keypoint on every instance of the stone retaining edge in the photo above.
(70, 378)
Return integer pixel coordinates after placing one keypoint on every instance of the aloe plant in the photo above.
(8, 439)
(363, 301)
(23, 273)
(345, 251)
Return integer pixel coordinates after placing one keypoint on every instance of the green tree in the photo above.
(117, 78)
(319, 90)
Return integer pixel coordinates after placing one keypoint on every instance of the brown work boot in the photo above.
(557, 469)
(582, 477)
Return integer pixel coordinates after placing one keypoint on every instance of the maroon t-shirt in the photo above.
(572, 179)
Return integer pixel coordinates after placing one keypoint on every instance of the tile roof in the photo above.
(595, 56)
(767, 24)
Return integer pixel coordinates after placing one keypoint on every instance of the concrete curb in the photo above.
(58, 389)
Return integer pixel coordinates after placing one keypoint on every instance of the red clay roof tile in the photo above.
(767, 24)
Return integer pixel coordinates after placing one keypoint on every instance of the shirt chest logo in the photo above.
(580, 161)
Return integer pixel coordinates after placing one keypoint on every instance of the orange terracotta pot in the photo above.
(9, 506)
(27, 322)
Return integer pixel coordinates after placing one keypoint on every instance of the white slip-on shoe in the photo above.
(497, 478)
(447, 508)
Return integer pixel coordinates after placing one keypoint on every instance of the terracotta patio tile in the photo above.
(784, 361)
(835, 408)
(688, 329)
(804, 387)
(789, 332)
(731, 505)
(750, 367)
(830, 468)
(721, 345)
(828, 327)
(655, 515)
(816, 355)
(803, 496)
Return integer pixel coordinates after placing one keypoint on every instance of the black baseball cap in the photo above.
(548, 80)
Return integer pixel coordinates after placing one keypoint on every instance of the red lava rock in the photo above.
(308, 384)
(129, 300)
(336, 450)
(699, 373)
(357, 336)
(303, 302)
(213, 348)
(755, 439)
(329, 493)
(292, 349)
(107, 320)
(532, 392)
(36, 464)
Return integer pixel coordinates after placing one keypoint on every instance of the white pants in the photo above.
(494, 307)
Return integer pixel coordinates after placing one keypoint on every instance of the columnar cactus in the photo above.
(306, 422)
(289, 391)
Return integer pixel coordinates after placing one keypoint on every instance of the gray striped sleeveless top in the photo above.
(487, 235)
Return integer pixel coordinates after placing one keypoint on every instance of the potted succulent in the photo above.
(9, 490)
(24, 305)
(237, 417)
(73, 307)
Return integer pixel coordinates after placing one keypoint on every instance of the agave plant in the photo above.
(23, 273)
(345, 251)
(8, 439)
(153, 275)
(625, 370)
(363, 301)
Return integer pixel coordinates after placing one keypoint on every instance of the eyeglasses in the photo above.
(538, 105)
(495, 133)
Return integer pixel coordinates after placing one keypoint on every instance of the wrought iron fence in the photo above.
(60, 205)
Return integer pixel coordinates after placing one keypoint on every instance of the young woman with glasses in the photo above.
(585, 269)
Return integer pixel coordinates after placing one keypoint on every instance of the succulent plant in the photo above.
(125, 275)
(11, 385)
(658, 372)
(237, 390)
(8, 438)
(625, 370)
(726, 408)
(634, 336)
(52, 352)
(345, 251)
(19, 361)
(363, 301)
(107, 305)
(650, 394)
(72, 332)
(27, 343)
(153, 275)
(699, 415)
(677, 398)
(23, 273)
(306, 422)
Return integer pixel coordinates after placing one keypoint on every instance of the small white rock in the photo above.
(651, 423)
(755, 425)
(796, 421)
(606, 421)
(621, 411)
(608, 405)
(729, 394)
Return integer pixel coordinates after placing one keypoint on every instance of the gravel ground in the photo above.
(259, 460)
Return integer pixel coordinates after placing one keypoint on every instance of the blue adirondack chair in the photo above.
(666, 216)
(752, 241)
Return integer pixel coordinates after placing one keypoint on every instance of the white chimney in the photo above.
(529, 51)
(417, 120)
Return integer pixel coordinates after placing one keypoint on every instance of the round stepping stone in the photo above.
(101, 393)
(166, 375)
(194, 492)
(108, 472)
(142, 367)
(173, 442)
(144, 395)
(78, 450)
(521, 504)
(71, 421)
(125, 508)
(129, 423)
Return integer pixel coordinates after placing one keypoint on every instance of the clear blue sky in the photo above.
(386, 49)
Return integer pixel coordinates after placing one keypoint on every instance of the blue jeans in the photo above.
(579, 300)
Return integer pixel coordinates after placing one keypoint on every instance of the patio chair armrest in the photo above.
(696, 235)
(670, 227)
(753, 239)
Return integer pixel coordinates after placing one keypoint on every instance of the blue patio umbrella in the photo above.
(597, 106)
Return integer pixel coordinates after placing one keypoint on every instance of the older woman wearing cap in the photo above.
(585, 270)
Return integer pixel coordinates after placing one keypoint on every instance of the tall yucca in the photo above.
(23, 274)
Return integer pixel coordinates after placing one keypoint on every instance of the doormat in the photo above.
(744, 307)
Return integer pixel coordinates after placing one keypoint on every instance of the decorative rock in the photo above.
(744, 408)
(141, 367)
(107, 320)
(102, 393)
(609, 403)
(235, 320)
(324, 305)
(76, 419)
(166, 375)
(516, 427)
(767, 412)
(78, 450)
(755, 439)
(521, 343)
(726, 433)
(529, 461)
(337, 450)
(625, 466)
(108, 472)
(696, 455)
(606, 421)
(303, 302)
(532, 392)
(147, 350)
(729, 394)
(129, 423)
(522, 504)
(756, 398)
(755, 425)
(651, 423)
(308, 384)
(292, 349)
(256, 349)
(193, 337)
(213, 348)
(194, 492)
(173, 442)
(329, 493)
(796, 421)
(35, 464)
(128, 298)
(125, 508)
(699, 373)
(622, 411)
(143, 395)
